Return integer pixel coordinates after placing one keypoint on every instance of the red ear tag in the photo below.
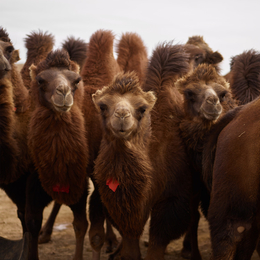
(15, 109)
(112, 184)
(58, 188)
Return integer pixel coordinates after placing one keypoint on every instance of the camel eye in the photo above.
(142, 109)
(189, 94)
(103, 107)
(77, 81)
(40, 81)
(222, 96)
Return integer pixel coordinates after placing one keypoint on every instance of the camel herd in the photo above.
(161, 137)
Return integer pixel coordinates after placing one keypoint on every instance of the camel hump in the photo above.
(167, 64)
(77, 49)
(101, 42)
(39, 43)
(100, 66)
(132, 54)
(245, 76)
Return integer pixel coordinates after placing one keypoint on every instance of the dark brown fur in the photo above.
(130, 164)
(132, 55)
(4, 36)
(244, 76)
(233, 213)
(61, 154)
(38, 46)
(77, 50)
(173, 193)
(209, 56)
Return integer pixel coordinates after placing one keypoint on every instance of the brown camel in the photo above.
(233, 212)
(123, 170)
(207, 55)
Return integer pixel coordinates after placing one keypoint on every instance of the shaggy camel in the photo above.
(38, 45)
(207, 55)
(207, 98)
(8, 145)
(125, 184)
(233, 214)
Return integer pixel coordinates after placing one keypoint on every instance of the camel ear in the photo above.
(95, 98)
(75, 67)
(151, 98)
(32, 70)
(179, 85)
(215, 58)
(15, 56)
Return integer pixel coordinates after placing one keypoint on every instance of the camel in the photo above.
(125, 120)
(207, 98)
(207, 56)
(233, 214)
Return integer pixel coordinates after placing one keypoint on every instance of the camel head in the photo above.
(206, 94)
(56, 80)
(124, 107)
(202, 53)
(6, 50)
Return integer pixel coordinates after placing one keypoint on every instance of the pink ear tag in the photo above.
(112, 184)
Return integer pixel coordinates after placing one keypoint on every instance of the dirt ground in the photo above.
(62, 244)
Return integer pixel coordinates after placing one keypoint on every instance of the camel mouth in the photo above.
(62, 109)
(211, 116)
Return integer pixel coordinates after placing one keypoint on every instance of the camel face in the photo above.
(6, 50)
(57, 88)
(204, 99)
(124, 113)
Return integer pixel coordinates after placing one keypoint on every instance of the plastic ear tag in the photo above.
(112, 184)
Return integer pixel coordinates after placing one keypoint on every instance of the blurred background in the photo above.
(229, 27)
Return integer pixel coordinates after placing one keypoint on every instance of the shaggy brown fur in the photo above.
(173, 192)
(132, 55)
(61, 154)
(244, 76)
(208, 56)
(11, 123)
(77, 50)
(4, 36)
(206, 98)
(233, 213)
(38, 46)
(130, 166)
(21, 94)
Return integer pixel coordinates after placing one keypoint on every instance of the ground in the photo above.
(61, 247)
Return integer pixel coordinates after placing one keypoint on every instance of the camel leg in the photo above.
(165, 225)
(46, 230)
(97, 218)
(190, 244)
(80, 225)
(128, 249)
(36, 200)
(110, 238)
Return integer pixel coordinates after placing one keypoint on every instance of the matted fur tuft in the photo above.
(204, 72)
(168, 63)
(77, 50)
(245, 76)
(4, 36)
(38, 46)
(55, 59)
